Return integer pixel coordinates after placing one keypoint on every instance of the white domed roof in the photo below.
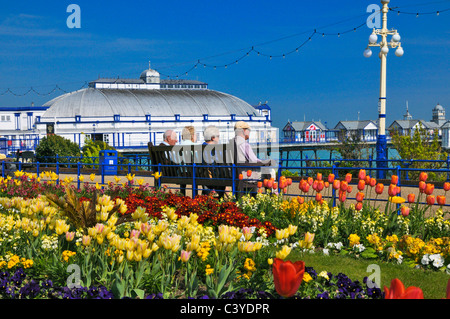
(94, 102)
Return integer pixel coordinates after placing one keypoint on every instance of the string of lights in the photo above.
(249, 50)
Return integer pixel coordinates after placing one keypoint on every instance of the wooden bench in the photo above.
(26, 158)
(213, 166)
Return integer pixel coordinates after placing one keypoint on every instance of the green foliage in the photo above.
(54, 145)
(91, 150)
(420, 146)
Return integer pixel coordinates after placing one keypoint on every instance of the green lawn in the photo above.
(433, 283)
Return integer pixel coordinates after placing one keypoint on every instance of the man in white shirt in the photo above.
(245, 153)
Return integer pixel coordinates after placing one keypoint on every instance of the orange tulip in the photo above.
(349, 188)
(359, 196)
(348, 177)
(318, 197)
(367, 179)
(397, 291)
(422, 186)
(344, 186)
(440, 200)
(379, 188)
(241, 176)
(429, 189)
(361, 185)
(342, 196)
(423, 177)
(411, 198)
(319, 176)
(331, 178)
(430, 200)
(300, 199)
(265, 182)
(289, 181)
(394, 179)
(404, 210)
(287, 276)
(446, 186)
(269, 183)
(362, 174)
(359, 206)
(259, 184)
(393, 190)
(336, 184)
(327, 184)
(372, 182)
(275, 185)
(249, 173)
(310, 180)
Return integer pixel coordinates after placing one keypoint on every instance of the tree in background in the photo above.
(52, 146)
(420, 146)
(91, 150)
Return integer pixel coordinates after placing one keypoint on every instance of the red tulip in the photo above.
(300, 199)
(310, 180)
(361, 185)
(269, 183)
(423, 177)
(275, 185)
(349, 189)
(359, 196)
(367, 179)
(249, 173)
(331, 178)
(289, 181)
(359, 206)
(265, 182)
(440, 200)
(348, 177)
(287, 276)
(411, 198)
(259, 184)
(430, 200)
(404, 210)
(362, 174)
(372, 182)
(379, 188)
(320, 186)
(285, 190)
(446, 186)
(394, 179)
(393, 190)
(429, 189)
(397, 291)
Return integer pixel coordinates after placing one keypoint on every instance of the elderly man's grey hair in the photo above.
(210, 132)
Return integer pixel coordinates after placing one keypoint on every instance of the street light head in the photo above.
(396, 37)
(373, 38)
(367, 53)
(399, 52)
(385, 1)
(385, 49)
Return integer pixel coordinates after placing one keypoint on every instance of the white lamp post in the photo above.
(384, 46)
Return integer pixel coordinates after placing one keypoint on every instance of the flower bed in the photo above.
(134, 241)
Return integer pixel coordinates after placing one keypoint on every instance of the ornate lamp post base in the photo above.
(381, 159)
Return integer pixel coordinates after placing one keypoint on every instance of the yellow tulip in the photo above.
(81, 178)
(130, 176)
(92, 177)
(284, 252)
(116, 179)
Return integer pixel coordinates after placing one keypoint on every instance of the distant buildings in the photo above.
(366, 130)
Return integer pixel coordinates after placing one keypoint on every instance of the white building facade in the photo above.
(129, 113)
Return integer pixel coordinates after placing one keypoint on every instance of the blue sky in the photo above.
(328, 79)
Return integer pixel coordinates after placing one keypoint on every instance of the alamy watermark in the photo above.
(74, 19)
(374, 279)
(374, 19)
